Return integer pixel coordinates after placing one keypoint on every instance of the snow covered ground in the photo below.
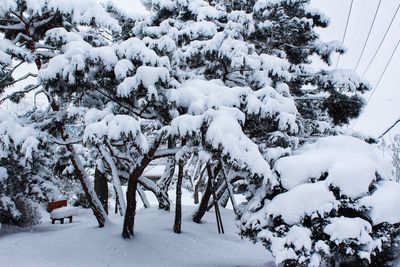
(81, 243)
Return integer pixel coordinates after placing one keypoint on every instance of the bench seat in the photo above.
(61, 213)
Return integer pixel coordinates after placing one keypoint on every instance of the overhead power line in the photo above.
(388, 129)
(369, 34)
(384, 70)
(383, 39)
(380, 78)
(345, 30)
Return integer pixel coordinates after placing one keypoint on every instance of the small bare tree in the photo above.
(393, 147)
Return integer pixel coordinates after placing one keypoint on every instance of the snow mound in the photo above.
(343, 228)
(64, 212)
(303, 200)
(349, 163)
(383, 204)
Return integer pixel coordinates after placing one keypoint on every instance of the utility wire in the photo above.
(388, 129)
(383, 39)
(345, 30)
(380, 78)
(384, 70)
(369, 34)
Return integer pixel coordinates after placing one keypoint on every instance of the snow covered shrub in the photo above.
(335, 201)
(30, 214)
(79, 200)
(25, 179)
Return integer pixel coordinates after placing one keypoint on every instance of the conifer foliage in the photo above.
(224, 93)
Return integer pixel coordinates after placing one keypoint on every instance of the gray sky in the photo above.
(384, 107)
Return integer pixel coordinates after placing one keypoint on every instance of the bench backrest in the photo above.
(56, 204)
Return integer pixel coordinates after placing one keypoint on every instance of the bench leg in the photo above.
(53, 221)
(70, 219)
(62, 221)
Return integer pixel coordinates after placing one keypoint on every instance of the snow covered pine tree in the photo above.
(250, 61)
(25, 24)
(25, 180)
(227, 85)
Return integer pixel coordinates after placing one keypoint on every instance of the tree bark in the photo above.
(198, 185)
(223, 201)
(129, 219)
(101, 187)
(178, 201)
(217, 212)
(90, 195)
(198, 215)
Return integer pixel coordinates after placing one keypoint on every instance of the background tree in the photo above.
(25, 180)
(24, 24)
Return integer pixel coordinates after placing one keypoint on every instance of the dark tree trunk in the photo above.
(129, 220)
(178, 202)
(116, 204)
(201, 210)
(101, 188)
(216, 207)
(90, 195)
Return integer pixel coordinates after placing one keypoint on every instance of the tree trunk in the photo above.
(143, 197)
(115, 177)
(198, 185)
(178, 201)
(129, 220)
(224, 199)
(207, 194)
(217, 212)
(83, 177)
(162, 196)
(165, 180)
(101, 187)
(90, 195)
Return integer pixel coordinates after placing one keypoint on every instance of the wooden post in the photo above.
(216, 207)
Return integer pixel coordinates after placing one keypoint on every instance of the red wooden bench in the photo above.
(61, 205)
(56, 204)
